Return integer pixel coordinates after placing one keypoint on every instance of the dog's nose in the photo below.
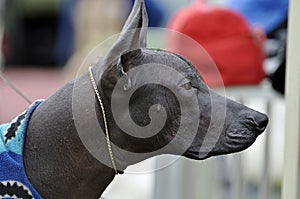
(261, 121)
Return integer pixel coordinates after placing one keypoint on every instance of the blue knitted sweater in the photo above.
(13, 180)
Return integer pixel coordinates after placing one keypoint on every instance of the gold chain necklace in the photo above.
(104, 120)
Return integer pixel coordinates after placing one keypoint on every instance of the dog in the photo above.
(66, 156)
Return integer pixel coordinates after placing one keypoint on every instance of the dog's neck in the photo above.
(56, 161)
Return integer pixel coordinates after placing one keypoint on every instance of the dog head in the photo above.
(158, 103)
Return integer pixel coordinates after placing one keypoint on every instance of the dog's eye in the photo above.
(187, 86)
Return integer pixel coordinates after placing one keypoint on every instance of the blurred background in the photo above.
(43, 44)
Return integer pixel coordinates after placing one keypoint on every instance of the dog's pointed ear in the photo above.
(133, 35)
(136, 25)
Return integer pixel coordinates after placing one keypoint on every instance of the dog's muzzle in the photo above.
(241, 133)
(236, 136)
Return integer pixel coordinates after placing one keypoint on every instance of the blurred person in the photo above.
(236, 49)
(271, 16)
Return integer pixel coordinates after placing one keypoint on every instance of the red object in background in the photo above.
(234, 47)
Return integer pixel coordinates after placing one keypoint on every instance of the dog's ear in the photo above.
(133, 35)
(134, 32)
(129, 60)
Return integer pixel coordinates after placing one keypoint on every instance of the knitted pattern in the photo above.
(13, 180)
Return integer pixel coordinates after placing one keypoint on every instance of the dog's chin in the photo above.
(225, 149)
(233, 146)
(195, 155)
(232, 142)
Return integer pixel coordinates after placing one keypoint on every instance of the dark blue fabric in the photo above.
(13, 180)
(65, 41)
(155, 13)
(268, 14)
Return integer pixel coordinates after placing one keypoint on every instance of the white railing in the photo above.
(291, 167)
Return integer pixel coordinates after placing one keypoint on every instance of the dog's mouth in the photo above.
(241, 135)
(194, 153)
(237, 137)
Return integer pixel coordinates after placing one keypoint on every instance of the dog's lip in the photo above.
(194, 150)
(237, 138)
(240, 134)
(244, 130)
(194, 153)
(260, 130)
(235, 143)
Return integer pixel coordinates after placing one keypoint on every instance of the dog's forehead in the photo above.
(175, 61)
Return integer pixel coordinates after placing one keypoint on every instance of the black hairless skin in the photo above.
(59, 165)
